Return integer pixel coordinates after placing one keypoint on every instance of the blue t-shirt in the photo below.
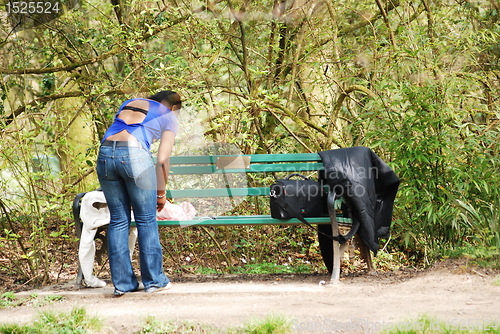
(158, 120)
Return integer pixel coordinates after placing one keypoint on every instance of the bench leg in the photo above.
(365, 254)
(336, 262)
(338, 249)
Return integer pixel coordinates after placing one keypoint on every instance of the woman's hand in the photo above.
(161, 199)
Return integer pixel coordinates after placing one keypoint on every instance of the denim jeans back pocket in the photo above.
(101, 168)
(142, 171)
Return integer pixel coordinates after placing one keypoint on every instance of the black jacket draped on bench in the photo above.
(369, 185)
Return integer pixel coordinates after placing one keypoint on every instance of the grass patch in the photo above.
(9, 299)
(272, 324)
(259, 268)
(485, 257)
(272, 268)
(429, 325)
(76, 322)
(385, 261)
(154, 326)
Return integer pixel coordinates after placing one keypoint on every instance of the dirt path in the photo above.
(362, 304)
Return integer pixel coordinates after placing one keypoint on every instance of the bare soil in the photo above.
(451, 291)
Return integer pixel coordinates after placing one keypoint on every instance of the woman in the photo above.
(129, 179)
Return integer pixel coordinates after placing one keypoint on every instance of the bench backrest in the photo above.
(234, 164)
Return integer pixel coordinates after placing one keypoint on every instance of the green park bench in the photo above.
(242, 168)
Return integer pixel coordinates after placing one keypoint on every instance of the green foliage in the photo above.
(9, 299)
(442, 142)
(75, 322)
(272, 268)
(443, 200)
(385, 261)
(273, 324)
(487, 257)
(154, 326)
(426, 324)
(258, 268)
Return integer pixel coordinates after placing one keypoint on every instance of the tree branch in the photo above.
(359, 25)
(336, 109)
(9, 119)
(290, 131)
(387, 23)
(430, 19)
(302, 123)
(116, 50)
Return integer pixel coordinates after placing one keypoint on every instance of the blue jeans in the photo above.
(128, 180)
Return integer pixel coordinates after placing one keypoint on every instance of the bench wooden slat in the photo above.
(248, 220)
(291, 157)
(254, 168)
(221, 192)
(293, 221)
(259, 158)
(218, 192)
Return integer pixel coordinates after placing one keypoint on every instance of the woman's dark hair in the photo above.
(167, 95)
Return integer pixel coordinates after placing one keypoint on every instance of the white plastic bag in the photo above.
(183, 211)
